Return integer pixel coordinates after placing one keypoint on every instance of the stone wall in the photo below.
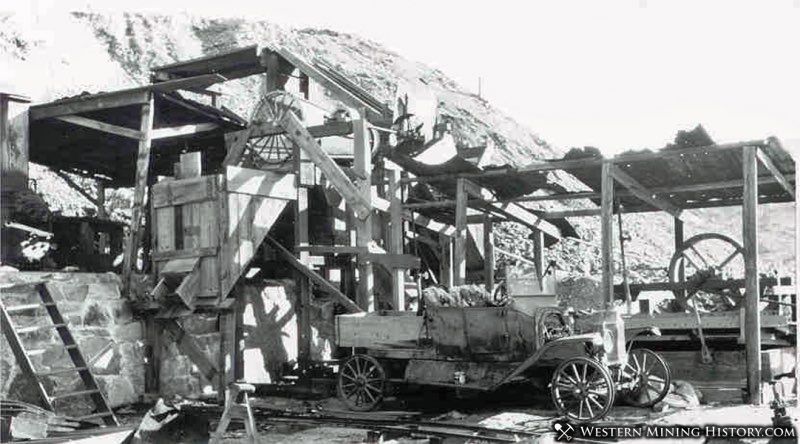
(109, 336)
(101, 322)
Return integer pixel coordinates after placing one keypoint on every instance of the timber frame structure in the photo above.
(210, 187)
(212, 193)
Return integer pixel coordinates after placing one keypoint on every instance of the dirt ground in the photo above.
(526, 413)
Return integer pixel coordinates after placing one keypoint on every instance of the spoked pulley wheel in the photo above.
(582, 389)
(704, 257)
(644, 380)
(361, 383)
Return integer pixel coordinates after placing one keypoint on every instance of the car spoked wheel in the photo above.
(361, 383)
(644, 380)
(582, 389)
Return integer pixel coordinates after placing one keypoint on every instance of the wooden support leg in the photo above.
(607, 232)
(488, 253)
(538, 255)
(238, 411)
(678, 247)
(446, 261)
(142, 170)
(303, 305)
(750, 244)
(460, 250)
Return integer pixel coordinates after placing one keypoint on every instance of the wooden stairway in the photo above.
(80, 366)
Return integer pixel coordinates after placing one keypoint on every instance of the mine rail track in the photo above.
(404, 426)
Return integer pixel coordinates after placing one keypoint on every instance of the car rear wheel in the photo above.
(361, 383)
(582, 389)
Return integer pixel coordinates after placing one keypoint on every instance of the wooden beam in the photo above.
(329, 129)
(643, 193)
(142, 172)
(488, 253)
(183, 130)
(102, 126)
(607, 232)
(397, 238)
(679, 238)
(298, 134)
(446, 261)
(323, 283)
(77, 187)
(92, 103)
(770, 165)
(326, 82)
(538, 254)
(752, 295)
(460, 238)
(384, 205)
(189, 347)
(510, 210)
(116, 99)
(261, 183)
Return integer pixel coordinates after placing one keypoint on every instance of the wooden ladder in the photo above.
(80, 365)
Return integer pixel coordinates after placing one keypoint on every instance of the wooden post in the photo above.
(678, 224)
(396, 239)
(488, 253)
(752, 323)
(607, 231)
(446, 261)
(142, 172)
(538, 255)
(362, 167)
(460, 250)
(303, 306)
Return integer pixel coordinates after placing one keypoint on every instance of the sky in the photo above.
(617, 75)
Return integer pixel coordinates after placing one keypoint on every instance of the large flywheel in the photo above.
(711, 264)
(267, 145)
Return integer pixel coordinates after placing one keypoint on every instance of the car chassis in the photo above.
(485, 348)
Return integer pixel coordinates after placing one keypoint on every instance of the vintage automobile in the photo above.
(484, 348)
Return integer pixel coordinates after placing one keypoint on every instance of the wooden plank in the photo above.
(261, 183)
(102, 126)
(184, 191)
(362, 168)
(460, 238)
(372, 331)
(159, 256)
(180, 265)
(607, 232)
(397, 238)
(326, 286)
(751, 291)
(776, 173)
(643, 193)
(142, 173)
(164, 235)
(189, 288)
(384, 205)
(189, 347)
(183, 130)
(298, 134)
